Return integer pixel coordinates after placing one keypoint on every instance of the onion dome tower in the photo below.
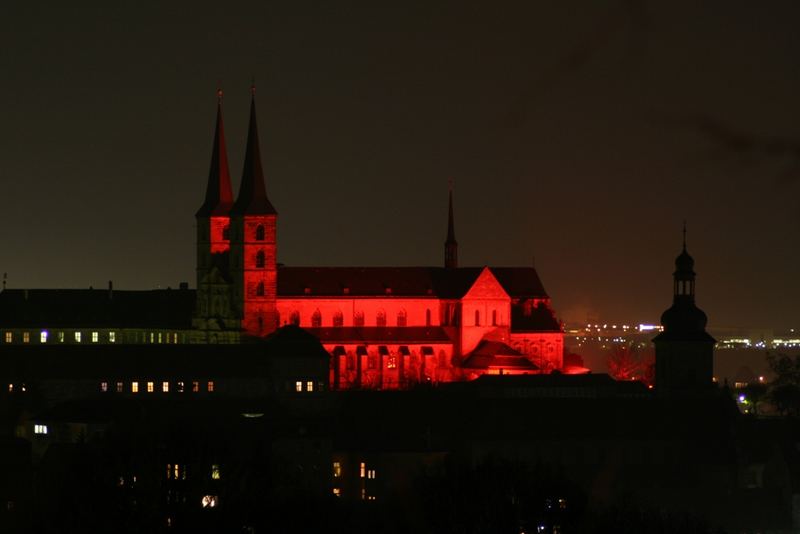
(253, 243)
(684, 350)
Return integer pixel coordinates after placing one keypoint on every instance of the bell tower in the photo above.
(212, 306)
(253, 261)
(684, 350)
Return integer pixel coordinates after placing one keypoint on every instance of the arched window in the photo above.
(380, 318)
(260, 289)
(427, 317)
(402, 318)
(260, 233)
(338, 318)
(260, 259)
(294, 318)
(358, 318)
(477, 318)
(316, 319)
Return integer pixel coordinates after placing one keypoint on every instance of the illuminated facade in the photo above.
(385, 328)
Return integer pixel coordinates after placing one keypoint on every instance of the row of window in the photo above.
(151, 387)
(306, 386)
(78, 337)
(380, 317)
(358, 318)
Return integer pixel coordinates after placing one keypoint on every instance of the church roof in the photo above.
(434, 282)
(494, 355)
(99, 308)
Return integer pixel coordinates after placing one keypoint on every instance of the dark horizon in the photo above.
(579, 137)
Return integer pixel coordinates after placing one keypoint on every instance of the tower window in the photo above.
(260, 259)
(260, 289)
(260, 233)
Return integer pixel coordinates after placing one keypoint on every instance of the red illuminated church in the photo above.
(385, 327)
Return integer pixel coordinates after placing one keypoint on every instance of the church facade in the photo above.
(384, 327)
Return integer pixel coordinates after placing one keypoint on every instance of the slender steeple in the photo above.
(252, 198)
(219, 195)
(450, 245)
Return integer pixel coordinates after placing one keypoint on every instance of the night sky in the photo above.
(580, 134)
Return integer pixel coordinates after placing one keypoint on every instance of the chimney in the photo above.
(110, 290)
(183, 285)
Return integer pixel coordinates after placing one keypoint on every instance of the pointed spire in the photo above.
(684, 235)
(252, 199)
(450, 245)
(219, 194)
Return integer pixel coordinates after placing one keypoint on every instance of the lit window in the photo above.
(362, 470)
(134, 387)
(210, 386)
(95, 337)
(159, 337)
(61, 337)
(104, 387)
(195, 387)
(209, 501)
(337, 492)
(11, 388)
(180, 387)
(150, 387)
(169, 471)
(112, 337)
(43, 336)
(165, 387)
(337, 469)
(391, 362)
(77, 337)
(26, 337)
(309, 386)
(215, 472)
(119, 387)
(9, 337)
(176, 471)
(298, 386)
(40, 429)
(152, 337)
(175, 337)
(371, 474)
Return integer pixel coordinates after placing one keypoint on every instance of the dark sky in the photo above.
(578, 133)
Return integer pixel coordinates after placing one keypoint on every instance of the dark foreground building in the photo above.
(249, 438)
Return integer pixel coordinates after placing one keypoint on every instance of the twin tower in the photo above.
(236, 246)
